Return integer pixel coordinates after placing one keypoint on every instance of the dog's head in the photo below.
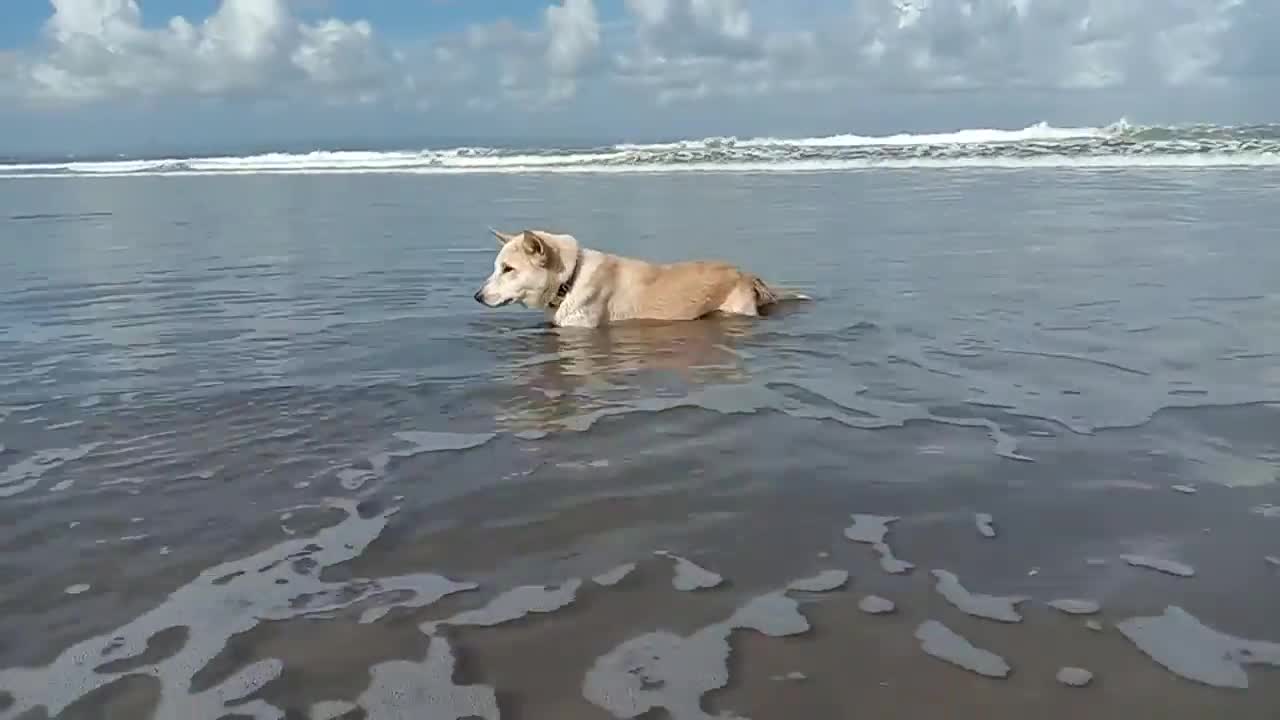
(524, 271)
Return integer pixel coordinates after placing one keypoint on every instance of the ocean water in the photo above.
(261, 454)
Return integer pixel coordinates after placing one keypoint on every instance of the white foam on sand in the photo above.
(871, 530)
(673, 672)
(405, 689)
(984, 523)
(1074, 676)
(401, 689)
(1073, 606)
(876, 605)
(1170, 567)
(825, 581)
(612, 577)
(690, 576)
(889, 563)
(944, 643)
(331, 709)
(225, 600)
(513, 605)
(379, 596)
(1189, 648)
(991, 607)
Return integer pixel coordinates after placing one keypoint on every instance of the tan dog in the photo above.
(580, 287)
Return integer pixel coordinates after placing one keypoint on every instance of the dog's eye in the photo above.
(507, 268)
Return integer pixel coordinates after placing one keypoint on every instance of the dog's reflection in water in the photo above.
(570, 372)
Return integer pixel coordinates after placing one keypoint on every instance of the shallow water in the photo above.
(261, 454)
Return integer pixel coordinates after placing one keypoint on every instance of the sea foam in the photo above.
(1042, 145)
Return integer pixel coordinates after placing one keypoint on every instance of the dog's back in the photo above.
(684, 290)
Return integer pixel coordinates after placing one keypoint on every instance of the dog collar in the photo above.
(567, 285)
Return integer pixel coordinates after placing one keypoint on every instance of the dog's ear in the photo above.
(536, 248)
(503, 238)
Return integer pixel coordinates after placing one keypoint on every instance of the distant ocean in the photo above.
(1118, 145)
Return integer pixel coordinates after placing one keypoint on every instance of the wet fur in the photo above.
(531, 265)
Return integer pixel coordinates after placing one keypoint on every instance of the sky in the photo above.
(129, 76)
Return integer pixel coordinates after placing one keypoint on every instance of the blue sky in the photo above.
(395, 18)
(101, 76)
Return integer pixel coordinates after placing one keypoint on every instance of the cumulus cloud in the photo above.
(693, 28)
(1249, 41)
(99, 49)
(660, 51)
(698, 48)
(490, 64)
(1038, 43)
(574, 36)
(686, 49)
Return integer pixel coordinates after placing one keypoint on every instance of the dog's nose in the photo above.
(478, 298)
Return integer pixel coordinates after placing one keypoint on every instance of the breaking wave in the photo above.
(1120, 145)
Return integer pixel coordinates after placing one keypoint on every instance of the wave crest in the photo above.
(1120, 144)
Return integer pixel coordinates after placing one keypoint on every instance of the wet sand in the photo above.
(535, 623)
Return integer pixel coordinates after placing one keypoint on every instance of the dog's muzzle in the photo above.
(479, 296)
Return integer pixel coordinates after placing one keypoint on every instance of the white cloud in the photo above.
(1249, 43)
(482, 67)
(691, 49)
(659, 51)
(1043, 43)
(99, 49)
(340, 55)
(697, 48)
(692, 28)
(498, 63)
(574, 35)
(10, 70)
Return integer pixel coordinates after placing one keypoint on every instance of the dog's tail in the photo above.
(767, 295)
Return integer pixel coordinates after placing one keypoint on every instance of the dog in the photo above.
(580, 287)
